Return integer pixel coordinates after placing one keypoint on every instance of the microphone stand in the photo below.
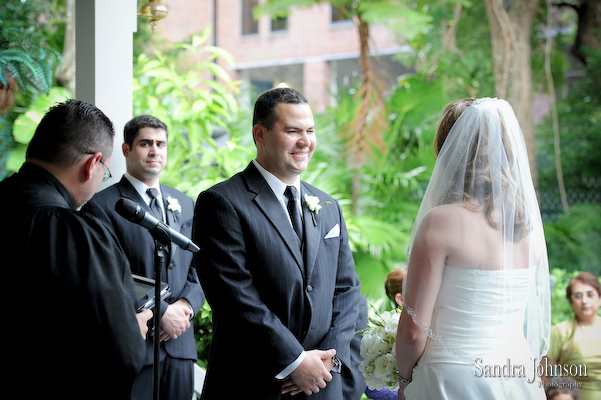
(162, 238)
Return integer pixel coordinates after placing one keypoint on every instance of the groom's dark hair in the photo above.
(265, 113)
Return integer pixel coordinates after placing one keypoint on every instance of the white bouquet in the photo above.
(379, 365)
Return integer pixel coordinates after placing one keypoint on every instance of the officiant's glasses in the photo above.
(107, 173)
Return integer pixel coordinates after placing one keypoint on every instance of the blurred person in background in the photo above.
(393, 285)
(577, 341)
(562, 389)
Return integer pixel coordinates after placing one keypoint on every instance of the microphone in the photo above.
(131, 211)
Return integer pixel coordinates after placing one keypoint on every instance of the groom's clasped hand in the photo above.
(312, 374)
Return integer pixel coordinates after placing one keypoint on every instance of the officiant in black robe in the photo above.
(72, 327)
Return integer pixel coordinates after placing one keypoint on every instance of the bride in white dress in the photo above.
(476, 317)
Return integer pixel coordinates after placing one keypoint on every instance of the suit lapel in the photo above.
(272, 209)
(312, 232)
(127, 190)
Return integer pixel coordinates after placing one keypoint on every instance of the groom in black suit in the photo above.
(145, 150)
(276, 268)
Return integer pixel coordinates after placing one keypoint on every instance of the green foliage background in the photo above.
(31, 41)
(186, 86)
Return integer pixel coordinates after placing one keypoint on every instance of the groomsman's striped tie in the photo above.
(154, 203)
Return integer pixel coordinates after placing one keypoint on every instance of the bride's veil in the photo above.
(482, 165)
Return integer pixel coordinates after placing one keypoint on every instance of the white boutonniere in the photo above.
(313, 203)
(173, 204)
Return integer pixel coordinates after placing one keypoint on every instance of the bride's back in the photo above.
(475, 243)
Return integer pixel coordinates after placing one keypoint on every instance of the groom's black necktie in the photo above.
(294, 212)
(155, 207)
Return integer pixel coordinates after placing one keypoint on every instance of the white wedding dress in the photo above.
(481, 354)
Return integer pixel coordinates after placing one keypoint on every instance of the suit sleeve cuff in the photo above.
(288, 370)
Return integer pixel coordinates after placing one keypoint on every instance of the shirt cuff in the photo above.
(191, 308)
(288, 370)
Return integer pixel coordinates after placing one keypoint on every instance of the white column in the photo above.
(104, 64)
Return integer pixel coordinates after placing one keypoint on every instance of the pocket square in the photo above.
(334, 232)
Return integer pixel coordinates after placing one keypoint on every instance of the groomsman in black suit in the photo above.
(276, 268)
(145, 150)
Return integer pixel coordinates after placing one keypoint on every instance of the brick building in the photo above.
(312, 50)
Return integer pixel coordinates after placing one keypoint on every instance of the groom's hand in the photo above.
(311, 375)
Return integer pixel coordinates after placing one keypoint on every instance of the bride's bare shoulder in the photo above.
(444, 218)
(448, 212)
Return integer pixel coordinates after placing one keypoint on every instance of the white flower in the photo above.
(385, 365)
(313, 203)
(370, 345)
(379, 366)
(173, 204)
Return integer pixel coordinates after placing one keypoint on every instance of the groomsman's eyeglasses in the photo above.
(107, 173)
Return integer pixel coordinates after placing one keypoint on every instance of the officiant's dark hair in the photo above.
(68, 131)
(265, 113)
(133, 126)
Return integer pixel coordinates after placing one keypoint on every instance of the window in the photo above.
(258, 87)
(341, 13)
(279, 24)
(249, 24)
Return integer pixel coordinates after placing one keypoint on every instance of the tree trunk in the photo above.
(553, 110)
(65, 72)
(359, 122)
(7, 99)
(365, 128)
(589, 23)
(510, 28)
(449, 31)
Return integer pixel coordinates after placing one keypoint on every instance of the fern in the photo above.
(29, 63)
(26, 68)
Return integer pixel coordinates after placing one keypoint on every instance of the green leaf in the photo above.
(222, 54)
(25, 125)
(16, 158)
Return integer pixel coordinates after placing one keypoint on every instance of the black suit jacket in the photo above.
(139, 246)
(71, 291)
(269, 303)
